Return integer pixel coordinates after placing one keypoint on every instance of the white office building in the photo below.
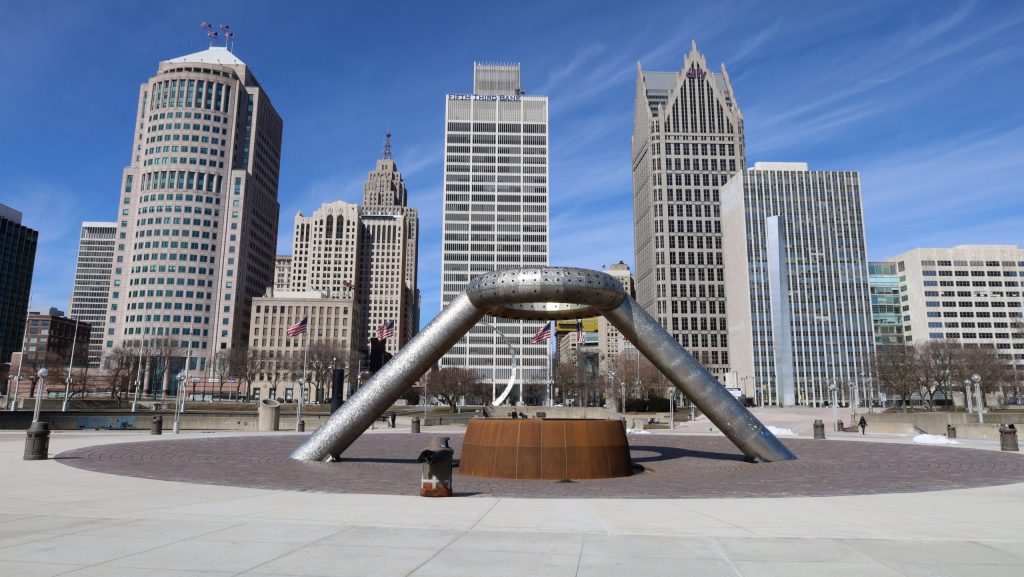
(88, 300)
(796, 277)
(970, 294)
(495, 211)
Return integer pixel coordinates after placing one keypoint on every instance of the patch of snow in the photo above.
(780, 432)
(926, 439)
(638, 432)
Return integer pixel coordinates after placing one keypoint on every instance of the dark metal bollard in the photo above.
(1008, 437)
(301, 427)
(37, 441)
(437, 468)
(951, 431)
(414, 425)
(156, 426)
(819, 429)
(839, 426)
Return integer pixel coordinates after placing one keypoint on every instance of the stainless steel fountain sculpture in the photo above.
(543, 293)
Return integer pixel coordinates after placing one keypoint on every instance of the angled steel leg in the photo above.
(690, 377)
(391, 382)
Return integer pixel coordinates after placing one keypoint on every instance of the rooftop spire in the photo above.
(387, 145)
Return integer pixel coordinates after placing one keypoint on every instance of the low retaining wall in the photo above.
(967, 425)
(190, 421)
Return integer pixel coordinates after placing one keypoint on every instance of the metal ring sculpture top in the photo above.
(543, 293)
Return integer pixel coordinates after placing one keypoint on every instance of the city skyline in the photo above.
(894, 97)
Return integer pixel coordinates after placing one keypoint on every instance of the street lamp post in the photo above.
(611, 388)
(298, 408)
(834, 391)
(980, 402)
(179, 400)
(671, 408)
(71, 365)
(39, 393)
(967, 396)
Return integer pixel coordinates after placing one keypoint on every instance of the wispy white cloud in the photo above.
(948, 192)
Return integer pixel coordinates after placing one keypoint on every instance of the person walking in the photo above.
(863, 424)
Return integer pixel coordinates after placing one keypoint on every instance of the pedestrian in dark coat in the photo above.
(863, 424)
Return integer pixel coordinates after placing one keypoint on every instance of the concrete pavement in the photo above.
(59, 520)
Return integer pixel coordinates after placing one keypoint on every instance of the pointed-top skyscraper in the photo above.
(389, 251)
(687, 142)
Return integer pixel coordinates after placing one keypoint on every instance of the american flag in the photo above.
(225, 27)
(543, 334)
(386, 330)
(298, 328)
(206, 26)
(347, 285)
(579, 332)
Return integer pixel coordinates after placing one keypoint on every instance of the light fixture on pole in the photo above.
(39, 393)
(967, 395)
(71, 365)
(611, 388)
(182, 379)
(298, 408)
(834, 391)
(979, 400)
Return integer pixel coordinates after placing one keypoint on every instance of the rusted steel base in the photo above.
(436, 491)
(553, 449)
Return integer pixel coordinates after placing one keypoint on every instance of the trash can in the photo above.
(269, 415)
(819, 429)
(414, 425)
(1008, 437)
(839, 426)
(156, 425)
(37, 441)
(301, 427)
(951, 431)
(436, 480)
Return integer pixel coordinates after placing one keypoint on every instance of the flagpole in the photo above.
(302, 383)
(551, 382)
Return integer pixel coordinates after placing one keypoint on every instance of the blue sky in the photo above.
(923, 98)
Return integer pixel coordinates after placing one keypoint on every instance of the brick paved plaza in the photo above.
(238, 507)
(675, 466)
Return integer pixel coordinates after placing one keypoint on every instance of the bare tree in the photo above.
(984, 362)
(123, 366)
(222, 369)
(162, 353)
(245, 365)
(896, 368)
(451, 384)
(936, 368)
(277, 370)
(323, 357)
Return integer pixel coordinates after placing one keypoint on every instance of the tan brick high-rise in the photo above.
(197, 216)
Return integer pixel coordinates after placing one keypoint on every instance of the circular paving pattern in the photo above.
(675, 466)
